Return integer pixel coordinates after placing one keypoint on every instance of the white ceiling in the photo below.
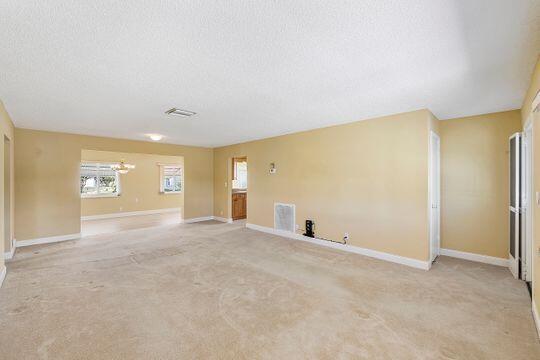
(254, 69)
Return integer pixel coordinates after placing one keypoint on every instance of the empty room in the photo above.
(270, 179)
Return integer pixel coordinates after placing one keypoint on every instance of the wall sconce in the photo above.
(273, 168)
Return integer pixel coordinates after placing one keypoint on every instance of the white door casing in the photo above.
(434, 195)
(515, 204)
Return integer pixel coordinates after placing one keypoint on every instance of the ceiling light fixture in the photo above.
(155, 137)
(122, 168)
(179, 112)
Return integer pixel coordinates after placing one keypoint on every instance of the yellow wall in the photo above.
(140, 188)
(6, 130)
(474, 180)
(526, 112)
(367, 178)
(47, 178)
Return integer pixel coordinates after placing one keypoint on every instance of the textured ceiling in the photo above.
(254, 69)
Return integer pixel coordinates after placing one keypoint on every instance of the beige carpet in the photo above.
(220, 291)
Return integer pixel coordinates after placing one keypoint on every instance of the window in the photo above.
(171, 179)
(99, 180)
(239, 173)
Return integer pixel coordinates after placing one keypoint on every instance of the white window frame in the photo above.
(162, 178)
(98, 195)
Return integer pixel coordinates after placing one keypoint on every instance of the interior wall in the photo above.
(534, 88)
(475, 182)
(47, 195)
(368, 179)
(6, 130)
(139, 189)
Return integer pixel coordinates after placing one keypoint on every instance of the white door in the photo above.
(435, 195)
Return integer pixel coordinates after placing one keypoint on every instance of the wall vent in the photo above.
(284, 217)
(179, 112)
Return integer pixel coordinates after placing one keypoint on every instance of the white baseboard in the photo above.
(536, 317)
(131, 213)
(2, 275)
(419, 264)
(222, 219)
(47, 240)
(199, 219)
(8, 255)
(475, 257)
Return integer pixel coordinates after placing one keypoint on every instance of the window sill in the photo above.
(99, 196)
(170, 193)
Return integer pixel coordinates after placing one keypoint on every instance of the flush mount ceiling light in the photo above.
(179, 112)
(122, 168)
(155, 137)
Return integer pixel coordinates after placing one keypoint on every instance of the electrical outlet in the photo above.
(136, 200)
(346, 237)
(225, 184)
(121, 208)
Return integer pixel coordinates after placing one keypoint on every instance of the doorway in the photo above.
(239, 188)
(435, 195)
(8, 241)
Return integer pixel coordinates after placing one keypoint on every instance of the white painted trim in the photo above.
(3, 275)
(536, 102)
(47, 240)
(199, 219)
(222, 219)
(475, 257)
(131, 213)
(536, 318)
(419, 264)
(8, 255)
(434, 200)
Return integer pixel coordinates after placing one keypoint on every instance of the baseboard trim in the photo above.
(475, 257)
(222, 219)
(419, 264)
(47, 240)
(199, 219)
(8, 255)
(536, 318)
(3, 275)
(130, 213)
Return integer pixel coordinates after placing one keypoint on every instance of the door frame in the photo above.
(513, 261)
(527, 199)
(434, 181)
(232, 177)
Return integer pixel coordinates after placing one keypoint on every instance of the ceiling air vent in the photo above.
(179, 112)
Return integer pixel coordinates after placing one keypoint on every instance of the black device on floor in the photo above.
(309, 229)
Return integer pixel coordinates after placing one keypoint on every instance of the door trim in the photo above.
(527, 201)
(433, 254)
(515, 211)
